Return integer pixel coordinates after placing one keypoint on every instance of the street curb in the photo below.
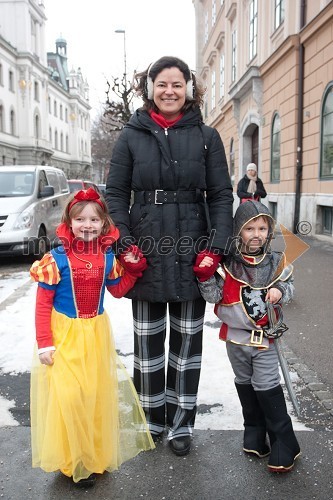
(310, 379)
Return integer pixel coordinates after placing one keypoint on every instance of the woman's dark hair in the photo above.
(140, 83)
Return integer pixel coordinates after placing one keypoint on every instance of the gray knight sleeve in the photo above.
(286, 288)
(212, 289)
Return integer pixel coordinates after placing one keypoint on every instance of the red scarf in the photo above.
(160, 120)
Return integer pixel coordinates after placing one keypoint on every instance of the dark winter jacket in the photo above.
(244, 184)
(187, 159)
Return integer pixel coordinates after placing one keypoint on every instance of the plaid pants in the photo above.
(172, 401)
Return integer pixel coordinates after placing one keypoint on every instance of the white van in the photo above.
(32, 200)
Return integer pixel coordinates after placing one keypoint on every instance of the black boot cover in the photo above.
(284, 445)
(254, 422)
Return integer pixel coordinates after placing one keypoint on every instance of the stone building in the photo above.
(268, 69)
(44, 107)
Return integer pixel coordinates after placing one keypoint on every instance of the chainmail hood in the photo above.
(248, 211)
(257, 271)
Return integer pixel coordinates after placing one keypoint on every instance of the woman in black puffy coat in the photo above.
(174, 169)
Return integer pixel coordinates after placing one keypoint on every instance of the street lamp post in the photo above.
(125, 70)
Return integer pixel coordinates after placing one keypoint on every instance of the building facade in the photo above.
(268, 69)
(44, 108)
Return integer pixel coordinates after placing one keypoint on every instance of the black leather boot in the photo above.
(181, 446)
(284, 447)
(254, 422)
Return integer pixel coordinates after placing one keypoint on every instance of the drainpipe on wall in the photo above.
(299, 155)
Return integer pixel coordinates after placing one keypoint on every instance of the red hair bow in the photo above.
(86, 195)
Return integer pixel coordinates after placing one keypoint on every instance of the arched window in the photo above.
(232, 162)
(275, 148)
(326, 139)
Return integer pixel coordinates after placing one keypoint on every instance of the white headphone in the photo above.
(150, 86)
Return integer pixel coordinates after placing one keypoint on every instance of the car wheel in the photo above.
(40, 244)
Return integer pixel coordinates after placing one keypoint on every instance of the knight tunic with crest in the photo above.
(241, 305)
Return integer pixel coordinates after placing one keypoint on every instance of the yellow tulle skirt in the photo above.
(85, 413)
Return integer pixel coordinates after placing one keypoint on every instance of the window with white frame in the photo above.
(11, 80)
(1, 74)
(2, 128)
(222, 76)
(275, 148)
(12, 122)
(253, 33)
(206, 28)
(326, 136)
(213, 12)
(232, 162)
(233, 55)
(279, 12)
(213, 89)
(34, 35)
(37, 127)
(36, 91)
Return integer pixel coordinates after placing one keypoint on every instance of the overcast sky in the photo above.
(153, 29)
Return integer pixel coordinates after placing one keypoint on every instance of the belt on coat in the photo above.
(159, 196)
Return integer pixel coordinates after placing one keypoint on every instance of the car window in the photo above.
(63, 182)
(53, 181)
(75, 186)
(42, 181)
(16, 183)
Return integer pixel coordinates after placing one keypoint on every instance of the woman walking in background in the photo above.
(250, 187)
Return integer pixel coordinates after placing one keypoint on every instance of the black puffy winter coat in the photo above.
(187, 161)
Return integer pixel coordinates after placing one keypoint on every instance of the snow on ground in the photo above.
(216, 382)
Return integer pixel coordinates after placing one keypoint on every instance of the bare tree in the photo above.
(106, 127)
(103, 139)
(119, 97)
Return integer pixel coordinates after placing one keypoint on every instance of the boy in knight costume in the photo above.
(253, 281)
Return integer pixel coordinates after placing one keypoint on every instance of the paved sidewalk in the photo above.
(215, 469)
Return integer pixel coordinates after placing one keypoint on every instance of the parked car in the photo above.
(32, 200)
(78, 184)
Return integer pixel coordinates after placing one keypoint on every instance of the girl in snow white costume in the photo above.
(85, 414)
